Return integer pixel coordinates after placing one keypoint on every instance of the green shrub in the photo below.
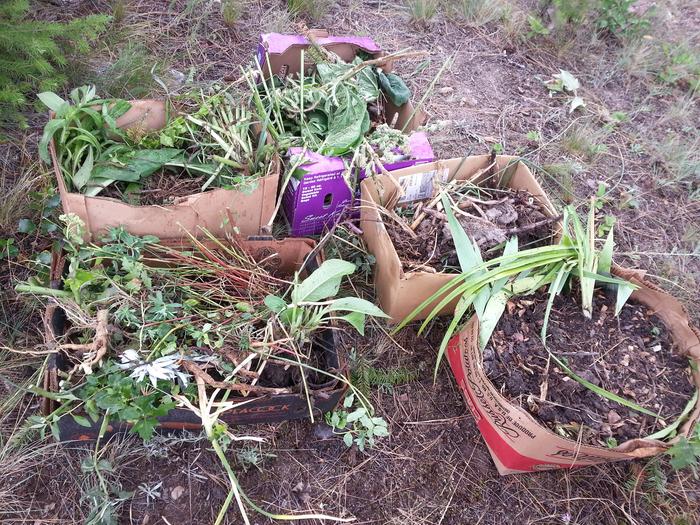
(34, 55)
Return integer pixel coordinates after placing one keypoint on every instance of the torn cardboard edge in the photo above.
(517, 442)
(218, 211)
(399, 293)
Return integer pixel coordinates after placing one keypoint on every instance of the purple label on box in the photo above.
(322, 195)
(278, 43)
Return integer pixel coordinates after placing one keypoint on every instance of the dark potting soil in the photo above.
(489, 225)
(632, 356)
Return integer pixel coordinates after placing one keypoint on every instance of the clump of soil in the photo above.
(632, 356)
(489, 223)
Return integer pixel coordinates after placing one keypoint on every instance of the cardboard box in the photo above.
(399, 293)
(218, 210)
(517, 442)
(322, 194)
(283, 258)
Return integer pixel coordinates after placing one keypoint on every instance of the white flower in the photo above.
(166, 368)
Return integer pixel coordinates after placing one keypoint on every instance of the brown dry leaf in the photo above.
(625, 360)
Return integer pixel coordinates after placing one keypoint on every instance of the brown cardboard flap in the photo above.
(399, 293)
(518, 442)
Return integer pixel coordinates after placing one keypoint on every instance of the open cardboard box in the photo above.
(400, 293)
(281, 258)
(321, 195)
(218, 211)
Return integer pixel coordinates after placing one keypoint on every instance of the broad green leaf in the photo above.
(462, 307)
(569, 81)
(356, 414)
(623, 293)
(82, 421)
(606, 255)
(355, 304)
(349, 400)
(684, 454)
(82, 176)
(51, 100)
(394, 87)
(469, 256)
(347, 439)
(324, 282)
(52, 126)
(348, 123)
(576, 102)
(275, 303)
(356, 320)
(554, 289)
(490, 317)
(510, 248)
(367, 85)
(26, 226)
(119, 107)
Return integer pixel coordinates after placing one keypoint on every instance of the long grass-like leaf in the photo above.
(669, 430)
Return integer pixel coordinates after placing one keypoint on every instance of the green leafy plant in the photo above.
(34, 54)
(8, 249)
(484, 287)
(313, 9)
(616, 17)
(93, 153)
(231, 11)
(537, 28)
(312, 305)
(356, 425)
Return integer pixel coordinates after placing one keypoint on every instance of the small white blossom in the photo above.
(166, 368)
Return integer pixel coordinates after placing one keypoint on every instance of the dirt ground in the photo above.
(434, 468)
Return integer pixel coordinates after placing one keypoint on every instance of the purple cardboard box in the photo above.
(322, 195)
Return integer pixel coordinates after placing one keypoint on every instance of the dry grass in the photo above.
(434, 468)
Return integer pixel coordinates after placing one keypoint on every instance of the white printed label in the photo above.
(419, 186)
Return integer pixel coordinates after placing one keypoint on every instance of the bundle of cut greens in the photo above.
(215, 145)
(144, 318)
(338, 110)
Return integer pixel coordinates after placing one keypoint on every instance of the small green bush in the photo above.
(34, 55)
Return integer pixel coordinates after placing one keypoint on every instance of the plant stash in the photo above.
(216, 140)
(484, 287)
(336, 111)
(145, 319)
